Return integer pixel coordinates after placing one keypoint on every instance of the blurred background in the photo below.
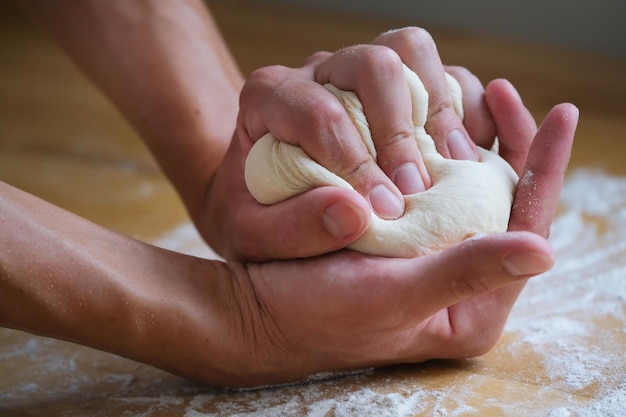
(63, 141)
(594, 26)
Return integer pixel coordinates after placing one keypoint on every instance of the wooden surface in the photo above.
(562, 353)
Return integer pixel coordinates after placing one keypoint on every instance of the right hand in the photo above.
(293, 105)
(279, 321)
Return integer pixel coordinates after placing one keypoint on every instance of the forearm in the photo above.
(165, 66)
(64, 277)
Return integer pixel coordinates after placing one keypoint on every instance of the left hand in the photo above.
(452, 304)
(260, 323)
(346, 310)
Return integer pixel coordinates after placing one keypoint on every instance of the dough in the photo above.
(466, 199)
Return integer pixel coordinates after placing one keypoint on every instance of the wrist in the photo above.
(63, 277)
(199, 325)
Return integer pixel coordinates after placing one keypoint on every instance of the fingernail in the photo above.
(385, 203)
(408, 179)
(522, 264)
(459, 146)
(343, 220)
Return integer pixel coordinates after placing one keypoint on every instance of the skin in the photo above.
(245, 324)
(262, 317)
(165, 66)
(312, 118)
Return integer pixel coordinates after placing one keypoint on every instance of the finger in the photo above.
(320, 221)
(425, 296)
(470, 289)
(478, 266)
(299, 111)
(477, 118)
(539, 187)
(376, 75)
(418, 51)
(515, 125)
(535, 203)
(411, 290)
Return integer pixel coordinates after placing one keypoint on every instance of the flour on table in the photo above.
(557, 317)
(557, 323)
(561, 314)
(467, 198)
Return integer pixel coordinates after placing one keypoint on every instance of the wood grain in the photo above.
(61, 140)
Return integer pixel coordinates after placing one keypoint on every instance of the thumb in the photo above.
(321, 220)
(478, 266)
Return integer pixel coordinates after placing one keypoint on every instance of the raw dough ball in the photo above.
(467, 198)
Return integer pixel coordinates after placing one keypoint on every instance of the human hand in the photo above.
(293, 105)
(258, 323)
(347, 310)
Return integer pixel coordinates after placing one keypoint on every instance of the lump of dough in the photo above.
(466, 199)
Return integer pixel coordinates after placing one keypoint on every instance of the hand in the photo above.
(259, 323)
(293, 105)
(347, 310)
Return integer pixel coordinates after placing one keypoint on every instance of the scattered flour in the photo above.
(571, 320)
(561, 315)
(611, 405)
(363, 403)
(557, 315)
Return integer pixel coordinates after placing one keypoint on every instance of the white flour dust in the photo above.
(557, 315)
(570, 323)
(316, 403)
(574, 317)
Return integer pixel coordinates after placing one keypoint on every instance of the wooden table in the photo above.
(562, 353)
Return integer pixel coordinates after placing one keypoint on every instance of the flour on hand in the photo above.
(467, 198)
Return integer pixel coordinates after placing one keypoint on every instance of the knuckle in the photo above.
(440, 108)
(268, 72)
(463, 75)
(326, 120)
(417, 38)
(377, 59)
(317, 57)
(400, 138)
(458, 70)
(326, 114)
(357, 172)
(263, 79)
(390, 146)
